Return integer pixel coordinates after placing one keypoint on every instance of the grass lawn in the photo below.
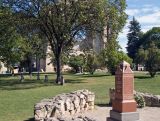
(17, 99)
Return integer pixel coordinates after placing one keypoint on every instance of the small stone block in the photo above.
(129, 116)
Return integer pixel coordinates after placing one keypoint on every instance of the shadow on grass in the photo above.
(30, 119)
(96, 75)
(15, 84)
(143, 77)
(74, 81)
(104, 105)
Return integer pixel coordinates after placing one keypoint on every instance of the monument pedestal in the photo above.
(127, 116)
(124, 105)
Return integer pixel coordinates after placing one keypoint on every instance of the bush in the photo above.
(91, 63)
(76, 62)
(140, 100)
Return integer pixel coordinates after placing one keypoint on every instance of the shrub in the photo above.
(140, 100)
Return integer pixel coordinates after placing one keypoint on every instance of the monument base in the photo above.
(127, 116)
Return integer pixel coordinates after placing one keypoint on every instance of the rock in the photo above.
(54, 109)
(150, 99)
(155, 101)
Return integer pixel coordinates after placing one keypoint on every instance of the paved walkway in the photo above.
(146, 114)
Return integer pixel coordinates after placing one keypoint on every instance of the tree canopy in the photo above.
(148, 53)
(150, 57)
(153, 35)
(61, 21)
(12, 47)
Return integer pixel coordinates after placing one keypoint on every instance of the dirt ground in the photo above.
(146, 114)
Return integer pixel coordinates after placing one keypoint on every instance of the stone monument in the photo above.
(124, 106)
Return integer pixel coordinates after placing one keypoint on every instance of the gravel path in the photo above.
(146, 114)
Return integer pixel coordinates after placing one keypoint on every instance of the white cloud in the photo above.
(123, 43)
(145, 10)
(149, 9)
(123, 34)
(148, 5)
(148, 27)
(153, 18)
(132, 12)
(122, 38)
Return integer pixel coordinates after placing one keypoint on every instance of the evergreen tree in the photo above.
(133, 36)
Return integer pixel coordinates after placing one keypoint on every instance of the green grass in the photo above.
(17, 99)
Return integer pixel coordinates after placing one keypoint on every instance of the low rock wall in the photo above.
(64, 105)
(150, 99)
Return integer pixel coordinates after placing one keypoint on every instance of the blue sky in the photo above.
(147, 12)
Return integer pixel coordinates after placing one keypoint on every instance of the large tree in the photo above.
(115, 20)
(61, 21)
(150, 57)
(133, 36)
(12, 46)
(113, 56)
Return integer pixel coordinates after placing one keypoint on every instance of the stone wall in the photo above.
(111, 95)
(64, 105)
(150, 99)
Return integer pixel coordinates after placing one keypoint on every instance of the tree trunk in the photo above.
(81, 69)
(21, 75)
(58, 61)
(38, 69)
(152, 73)
(12, 71)
(30, 67)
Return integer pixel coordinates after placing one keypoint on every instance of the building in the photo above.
(95, 41)
(3, 69)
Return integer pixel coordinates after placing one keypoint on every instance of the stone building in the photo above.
(46, 64)
(95, 41)
(3, 69)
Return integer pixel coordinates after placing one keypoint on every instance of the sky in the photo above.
(147, 12)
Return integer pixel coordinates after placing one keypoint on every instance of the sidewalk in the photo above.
(146, 114)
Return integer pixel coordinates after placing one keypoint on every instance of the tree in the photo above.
(115, 18)
(12, 46)
(150, 57)
(60, 21)
(115, 59)
(0, 65)
(77, 62)
(151, 35)
(37, 50)
(133, 36)
(115, 21)
(91, 63)
(113, 56)
(141, 56)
